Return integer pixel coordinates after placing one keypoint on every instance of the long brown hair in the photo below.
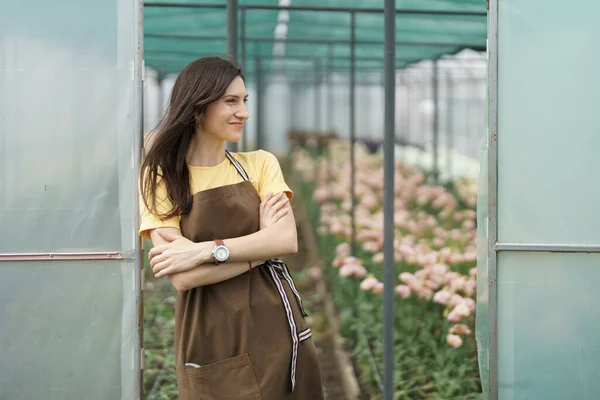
(200, 83)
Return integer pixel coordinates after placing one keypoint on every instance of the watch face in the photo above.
(221, 253)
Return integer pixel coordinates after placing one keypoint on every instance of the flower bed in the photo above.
(435, 258)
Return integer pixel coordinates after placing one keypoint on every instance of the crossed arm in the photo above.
(188, 264)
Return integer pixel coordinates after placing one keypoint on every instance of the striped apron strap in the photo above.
(278, 270)
(237, 165)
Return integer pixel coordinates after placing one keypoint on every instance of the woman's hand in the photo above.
(179, 254)
(273, 208)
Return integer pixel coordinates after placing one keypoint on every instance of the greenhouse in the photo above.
(438, 206)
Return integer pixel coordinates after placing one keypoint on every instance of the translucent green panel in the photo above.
(67, 330)
(458, 31)
(548, 326)
(548, 131)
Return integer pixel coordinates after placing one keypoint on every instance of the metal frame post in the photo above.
(232, 39)
(449, 124)
(160, 98)
(436, 122)
(259, 132)
(389, 270)
(317, 111)
(492, 219)
(352, 115)
(232, 33)
(138, 145)
(244, 66)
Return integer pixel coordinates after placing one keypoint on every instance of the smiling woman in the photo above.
(240, 328)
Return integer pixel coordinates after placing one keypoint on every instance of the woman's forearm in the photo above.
(273, 241)
(207, 274)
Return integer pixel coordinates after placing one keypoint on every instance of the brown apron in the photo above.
(248, 334)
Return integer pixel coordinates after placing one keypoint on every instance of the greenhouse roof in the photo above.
(177, 32)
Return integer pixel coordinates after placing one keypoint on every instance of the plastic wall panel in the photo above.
(548, 130)
(68, 121)
(67, 330)
(548, 326)
(66, 124)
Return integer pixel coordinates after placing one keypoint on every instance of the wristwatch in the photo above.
(220, 253)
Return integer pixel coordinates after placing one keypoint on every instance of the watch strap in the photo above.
(219, 242)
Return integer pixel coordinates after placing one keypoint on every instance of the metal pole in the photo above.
(330, 102)
(324, 9)
(138, 145)
(449, 123)
(160, 97)
(330, 115)
(450, 45)
(244, 66)
(259, 132)
(232, 33)
(389, 271)
(492, 218)
(232, 38)
(317, 95)
(352, 114)
(317, 134)
(436, 130)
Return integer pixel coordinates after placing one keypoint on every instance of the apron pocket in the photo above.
(230, 379)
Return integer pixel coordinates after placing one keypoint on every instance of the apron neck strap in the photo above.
(237, 165)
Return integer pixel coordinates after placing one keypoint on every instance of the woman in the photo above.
(240, 331)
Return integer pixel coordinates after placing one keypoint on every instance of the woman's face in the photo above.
(225, 117)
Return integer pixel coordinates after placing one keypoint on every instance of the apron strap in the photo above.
(279, 270)
(237, 165)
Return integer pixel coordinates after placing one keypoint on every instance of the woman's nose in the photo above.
(242, 112)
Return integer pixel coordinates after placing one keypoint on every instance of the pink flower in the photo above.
(320, 195)
(438, 242)
(378, 288)
(460, 329)
(347, 270)
(369, 283)
(351, 260)
(470, 287)
(338, 261)
(429, 259)
(371, 246)
(457, 283)
(440, 269)
(470, 303)
(454, 340)
(403, 291)
(407, 277)
(468, 224)
(359, 271)
(343, 249)
(378, 258)
(421, 274)
(406, 250)
(321, 231)
(454, 316)
(473, 272)
(462, 309)
(455, 300)
(470, 256)
(450, 276)
(442, 297)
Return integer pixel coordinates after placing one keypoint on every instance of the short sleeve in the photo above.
(271, 177)
(149, 221)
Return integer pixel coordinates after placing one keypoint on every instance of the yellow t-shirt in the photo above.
(261, 166)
